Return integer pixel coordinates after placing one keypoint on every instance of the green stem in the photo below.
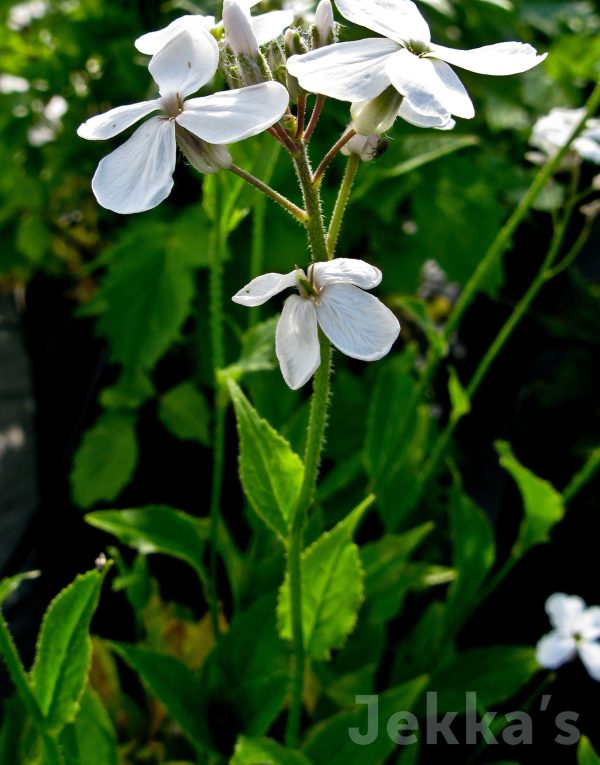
(19, 677)
(312, 458)
(502, 241)
(217, 252)
(584, 476)
(499, 342)
(341, 204)
(331, 154)
(287, 204)
(315, 440)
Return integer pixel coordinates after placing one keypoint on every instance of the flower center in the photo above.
(172, 105)
(417, 47)
(307, 288)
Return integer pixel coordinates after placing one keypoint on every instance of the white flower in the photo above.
(550, 133)
(266, 27)
(138, 175)
(332, 297)
(405, 59)
(576, 632)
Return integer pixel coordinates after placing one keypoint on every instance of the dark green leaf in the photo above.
(106, 460)
(184, 412)
(172, 683)
(157, 529)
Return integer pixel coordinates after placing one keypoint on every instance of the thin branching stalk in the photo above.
(287, 204)
(314, 120)
(331, 154)
(341, 204)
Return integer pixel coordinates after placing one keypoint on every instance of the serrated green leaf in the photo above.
(106, 460)
(157, 529)
(494, 673)
(474, 553)
(586, 754)
(329, 742)
(146, 296)
(459, 400)
(11, 583)
(271, 472)
(132, 390)
(265, 751)
(332, 590)
(172, 683)
(184, 412)
(542, 504)
(64, 649)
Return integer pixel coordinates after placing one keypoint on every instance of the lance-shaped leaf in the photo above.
(64, 650)
(586, 754)
(10, 584)
(543, 505)
(95, 734)
(157, 529)
(172, 683)
(271, 472)
(459, 398)
(332, 590)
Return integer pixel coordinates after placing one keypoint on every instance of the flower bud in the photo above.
(294, 44)
(378, 114)
(367, 147)
(324, 31)
(202, 156)
(276, 60)
(239, 36)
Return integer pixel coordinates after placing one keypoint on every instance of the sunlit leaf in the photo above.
(265, 751)
(586, 754)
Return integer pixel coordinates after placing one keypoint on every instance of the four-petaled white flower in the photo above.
(576, 632)
(138, 175)
(266, 27)
(550, 133)
(406, 60)
(332, 297)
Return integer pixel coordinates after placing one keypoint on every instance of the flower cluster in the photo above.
(400, 73)
(576, 632)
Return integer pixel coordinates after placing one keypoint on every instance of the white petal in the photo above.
(554, 649)
(588, 148)
(138, 175)
(588, 624)
(264, 287)
(357, 323)
(185, 64)
(348, 271)
(407, 113)
(348, 71)
(239, 35)
(589, 653)
(431, 87)
(565, 611)
(268, 26)
(502, 58)
(297, 341)
(400, 20)
(116, 120)
(235, 114)
(195, 25)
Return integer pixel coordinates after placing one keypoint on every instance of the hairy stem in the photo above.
(287, 204)
(319, 104)
(341, 204)
(331, 154)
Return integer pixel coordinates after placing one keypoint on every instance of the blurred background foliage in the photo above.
(115, 320)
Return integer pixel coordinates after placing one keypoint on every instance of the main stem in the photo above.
(312, 458)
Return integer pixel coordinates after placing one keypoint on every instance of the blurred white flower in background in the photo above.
(22, 15)
(10, 83)
(331, 296)
(576, 632)
(551, 132)
(139, 174)
(50, 122)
